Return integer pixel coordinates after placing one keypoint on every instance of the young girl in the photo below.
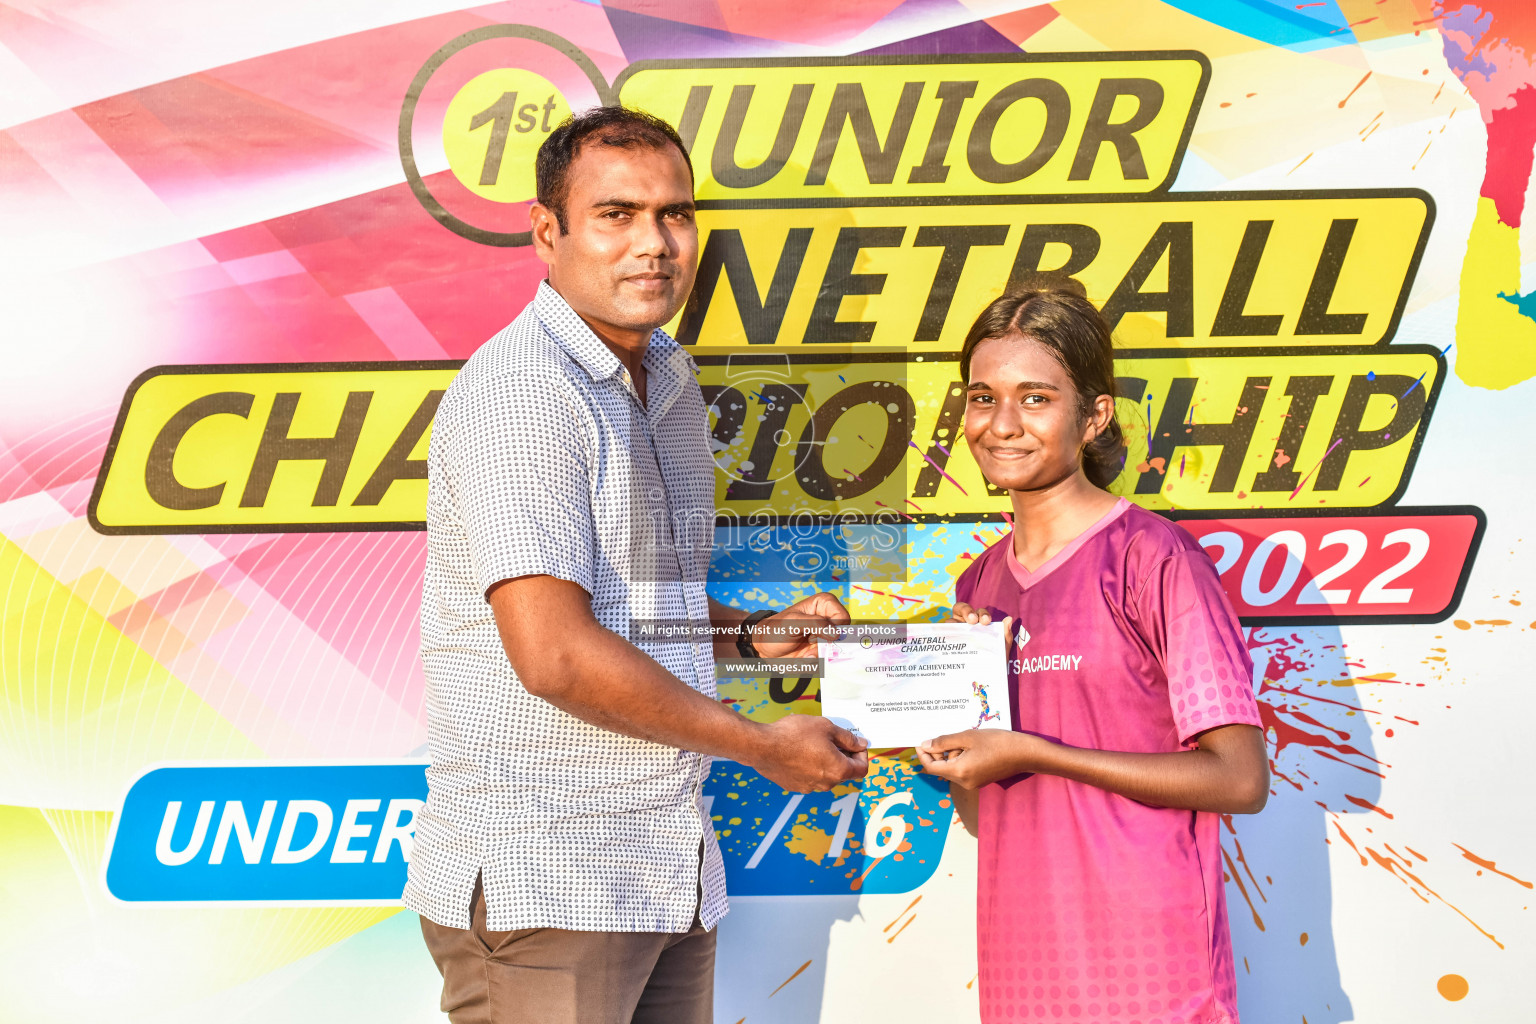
(1100, 898)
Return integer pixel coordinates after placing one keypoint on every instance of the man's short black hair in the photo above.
(623, 127)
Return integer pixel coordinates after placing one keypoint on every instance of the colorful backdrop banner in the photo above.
(244, 252)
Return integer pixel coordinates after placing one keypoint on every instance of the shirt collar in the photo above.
(667, 365)
(573, 334)
(666, 362)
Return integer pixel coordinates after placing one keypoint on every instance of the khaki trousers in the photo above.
(554, 976)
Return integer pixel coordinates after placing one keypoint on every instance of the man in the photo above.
(564, 868)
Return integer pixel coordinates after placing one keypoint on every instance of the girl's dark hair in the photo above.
(1055, 311)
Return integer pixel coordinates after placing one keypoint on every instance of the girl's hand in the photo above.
(979, 757)
(963, 612)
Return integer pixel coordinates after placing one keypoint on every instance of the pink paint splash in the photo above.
(935, 465)
(1314, 469)
(1491, 47)
(897, 597)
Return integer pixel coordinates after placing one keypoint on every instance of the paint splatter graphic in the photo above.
(1491, 47)
(1330, 723)
(882, 835)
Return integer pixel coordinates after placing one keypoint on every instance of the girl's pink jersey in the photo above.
(1092, 907)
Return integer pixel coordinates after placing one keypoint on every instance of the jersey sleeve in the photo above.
(516, 466)
(1195, 636)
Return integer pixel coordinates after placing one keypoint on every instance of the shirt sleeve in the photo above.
(518, 471)
(1196, 637)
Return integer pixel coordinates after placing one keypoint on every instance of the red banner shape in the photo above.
(1368, 565)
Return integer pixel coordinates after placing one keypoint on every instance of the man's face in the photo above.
(628, 260)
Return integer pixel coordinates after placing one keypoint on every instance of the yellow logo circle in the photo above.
(494, 127)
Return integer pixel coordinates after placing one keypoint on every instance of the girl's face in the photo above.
(1023, 421)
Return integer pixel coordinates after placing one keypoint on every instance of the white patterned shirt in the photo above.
(543, 461)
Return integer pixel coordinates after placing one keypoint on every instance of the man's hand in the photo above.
(793, 632)
(807, 753)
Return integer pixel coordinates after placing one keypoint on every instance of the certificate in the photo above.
(942, 677)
